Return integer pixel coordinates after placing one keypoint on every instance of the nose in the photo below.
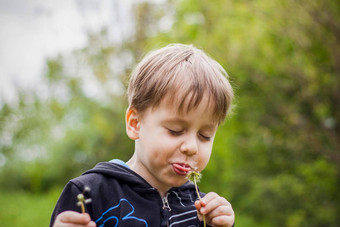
(189, 145)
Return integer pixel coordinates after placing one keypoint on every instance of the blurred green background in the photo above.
(276, 158)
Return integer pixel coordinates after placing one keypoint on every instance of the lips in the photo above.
(181, 168)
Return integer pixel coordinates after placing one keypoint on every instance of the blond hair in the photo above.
(180, 72)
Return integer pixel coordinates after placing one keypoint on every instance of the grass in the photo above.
(27, 209)
(19, 209)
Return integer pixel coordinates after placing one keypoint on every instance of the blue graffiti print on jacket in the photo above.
(109, 216)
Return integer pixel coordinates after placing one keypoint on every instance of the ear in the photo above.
(132, 123)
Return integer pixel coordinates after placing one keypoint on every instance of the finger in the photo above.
(74, 225)
(198, 204)
(199, 216)
(220, 211)
(74, 217)
(217, 210)
(91, 224)
(220, 215)
(222, 221)
(208, 197)
(217, 202)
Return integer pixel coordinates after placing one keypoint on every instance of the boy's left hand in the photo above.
(217, 210)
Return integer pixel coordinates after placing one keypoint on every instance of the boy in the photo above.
(178, 96)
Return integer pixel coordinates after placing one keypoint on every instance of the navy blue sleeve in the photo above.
(66, 201)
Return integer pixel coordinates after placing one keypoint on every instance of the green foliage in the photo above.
(276, 159)
(65, 122)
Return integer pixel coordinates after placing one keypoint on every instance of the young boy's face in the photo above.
(170, 144)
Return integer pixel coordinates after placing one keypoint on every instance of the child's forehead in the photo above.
(181, 105)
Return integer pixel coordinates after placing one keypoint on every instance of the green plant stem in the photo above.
(82, 208)
(198, 194)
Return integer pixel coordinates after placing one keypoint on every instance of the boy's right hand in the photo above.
(73, 219)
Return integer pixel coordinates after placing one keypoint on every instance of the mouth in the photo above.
(181, 169)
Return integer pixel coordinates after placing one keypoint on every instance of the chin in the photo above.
(179, 183)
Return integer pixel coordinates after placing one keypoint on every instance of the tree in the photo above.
(277, 158)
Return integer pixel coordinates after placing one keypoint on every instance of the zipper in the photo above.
(166, 212)
(166, 205)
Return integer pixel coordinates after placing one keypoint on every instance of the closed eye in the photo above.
(206, 138)
(175, 132)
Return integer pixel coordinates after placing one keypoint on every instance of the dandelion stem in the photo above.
(198, 195)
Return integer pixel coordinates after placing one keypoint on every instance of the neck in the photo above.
(140, 169)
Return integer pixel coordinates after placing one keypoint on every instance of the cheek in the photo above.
(204, 157)
(157, 145)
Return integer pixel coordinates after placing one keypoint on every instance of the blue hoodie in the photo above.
(120, 197)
